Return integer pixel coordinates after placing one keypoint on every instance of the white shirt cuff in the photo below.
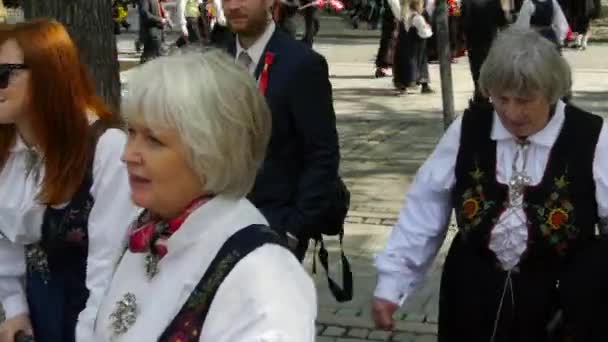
(389, 288)
(15, 305)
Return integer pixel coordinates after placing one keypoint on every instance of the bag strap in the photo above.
(191, 316)
(345, 293)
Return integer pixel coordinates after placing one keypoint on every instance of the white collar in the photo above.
(545, 137)
(256, 50)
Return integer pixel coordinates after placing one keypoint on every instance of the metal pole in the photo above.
(445, 62)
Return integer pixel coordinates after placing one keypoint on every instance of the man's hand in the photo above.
(10, 327)
(382, 312)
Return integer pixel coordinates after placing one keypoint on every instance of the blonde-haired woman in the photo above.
(202, 263)
(411, 66)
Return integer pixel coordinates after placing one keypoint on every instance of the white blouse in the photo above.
(21, 221)
(267, 297)
(423, 221)
(560, 23)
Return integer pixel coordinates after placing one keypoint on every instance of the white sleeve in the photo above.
(12, 272)
(525, 14)
(423, 28)
(109, 219)
(261, 311)
(600, 175)
(422, 224)
(219, 12)
(180, 9)
(560, 23)
(395, 8)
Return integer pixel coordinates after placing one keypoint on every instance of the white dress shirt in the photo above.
(267, 297)
(256, 49)
(423, 221)
(560, 24)
(21, 221)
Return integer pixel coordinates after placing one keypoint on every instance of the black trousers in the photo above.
(478, 52)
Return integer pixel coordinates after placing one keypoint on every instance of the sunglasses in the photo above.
(6, 70)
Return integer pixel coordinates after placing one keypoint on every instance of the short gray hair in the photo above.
(217, 110)
(523, 62)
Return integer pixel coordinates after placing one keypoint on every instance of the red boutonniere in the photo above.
(268, 60)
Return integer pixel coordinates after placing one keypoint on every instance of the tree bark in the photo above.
(445, 62)
(90, 24)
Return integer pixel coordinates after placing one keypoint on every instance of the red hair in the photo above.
(61, 95)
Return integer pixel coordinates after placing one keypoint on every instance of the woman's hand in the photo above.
(382, 312)
(10, 327)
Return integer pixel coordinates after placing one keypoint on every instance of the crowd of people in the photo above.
(472, 26)
(186, 215)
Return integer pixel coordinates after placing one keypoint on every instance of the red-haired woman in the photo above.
(64, 193)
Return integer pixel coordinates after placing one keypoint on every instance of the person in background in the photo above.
(526, 179)
(65, 200)
(411, 66)
(482, 19)
(202, 263)
(151, 26)
(297, 184)
(190, 14)
(388, 38)
(546, 17)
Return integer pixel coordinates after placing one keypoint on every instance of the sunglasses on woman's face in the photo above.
(6, 70)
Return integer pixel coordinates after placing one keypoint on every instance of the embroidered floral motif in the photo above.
(63, 226)
(557, 215)
(474, 205)
(37, 262)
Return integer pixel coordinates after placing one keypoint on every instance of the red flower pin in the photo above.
(268, 60)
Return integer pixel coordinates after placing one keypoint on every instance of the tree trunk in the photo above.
(91, 26)
(445, 62)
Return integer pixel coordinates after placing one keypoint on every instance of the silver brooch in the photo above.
(152, 265)
(125, 314)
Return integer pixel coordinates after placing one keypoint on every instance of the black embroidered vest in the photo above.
(186, 326)
(561, 210)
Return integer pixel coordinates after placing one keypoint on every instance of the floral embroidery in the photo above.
(64, 226)
(557, 215)
(474, 205)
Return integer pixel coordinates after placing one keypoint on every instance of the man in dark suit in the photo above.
(482, 19)
(151, 24)
(296, 183)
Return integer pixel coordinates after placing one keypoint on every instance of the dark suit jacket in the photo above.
(150, 20)
(296, 183)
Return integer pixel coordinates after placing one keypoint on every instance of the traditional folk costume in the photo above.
(216, 273)
(526, 214)
(546, 17)
(411, 66)
(66, 253)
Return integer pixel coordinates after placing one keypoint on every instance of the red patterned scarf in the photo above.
(150, 233)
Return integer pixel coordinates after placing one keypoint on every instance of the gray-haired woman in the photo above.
(527, 178)
(202, 263)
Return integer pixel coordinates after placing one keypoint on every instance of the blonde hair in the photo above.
(214, 104)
